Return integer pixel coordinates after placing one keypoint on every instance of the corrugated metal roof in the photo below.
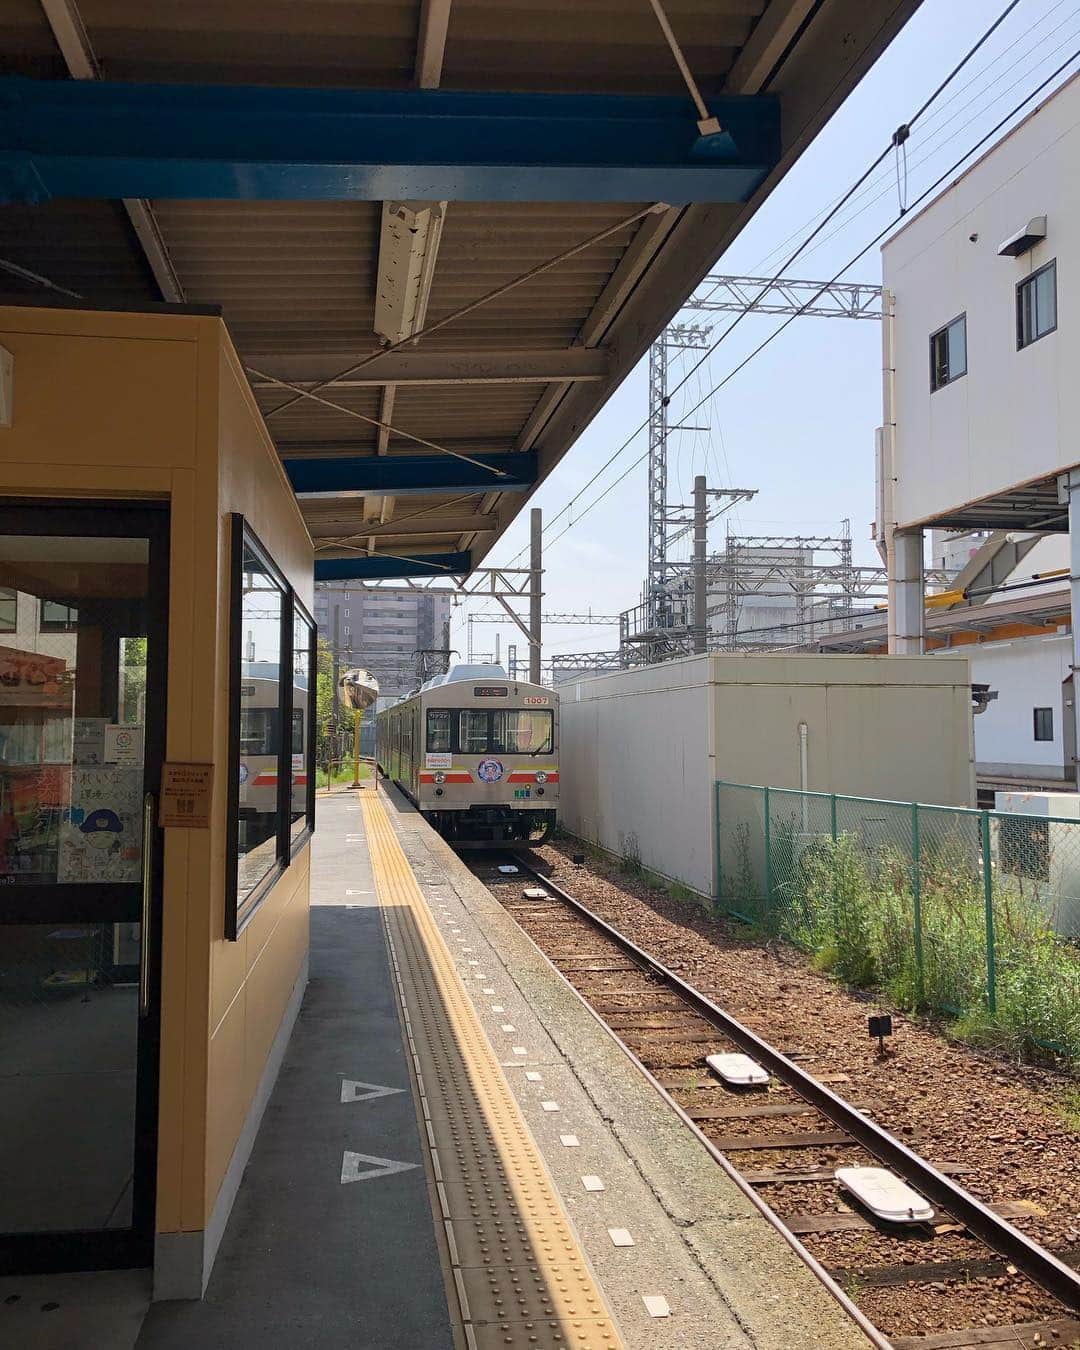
(297, 281)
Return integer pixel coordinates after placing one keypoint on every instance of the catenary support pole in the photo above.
(700, 519)
(536, 567)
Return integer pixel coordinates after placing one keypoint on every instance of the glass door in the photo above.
(83, 610)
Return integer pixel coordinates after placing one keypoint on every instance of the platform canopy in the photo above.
(440, 231)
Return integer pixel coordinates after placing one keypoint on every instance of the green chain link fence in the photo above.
(971, 913)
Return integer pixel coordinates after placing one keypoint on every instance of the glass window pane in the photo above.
(261, 614)
(473, 732)
(9, 609)
(1045, 301)
(957, 337)
(438, 729)
(524, 731)
(298, 748)
(69, 1027)
(72, 707)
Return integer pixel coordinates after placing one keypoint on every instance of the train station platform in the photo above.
(456, 1154)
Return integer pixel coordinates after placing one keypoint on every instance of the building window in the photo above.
(1036, 305)
(271, 778)
(1044, 724)
(9, 609)
(58, 618)
(948, 353)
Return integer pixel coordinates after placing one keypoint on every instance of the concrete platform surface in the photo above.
(699, 1245)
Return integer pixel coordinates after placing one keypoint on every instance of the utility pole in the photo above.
(446, 645)
(700, 618)
(497, 661)
(536, 570)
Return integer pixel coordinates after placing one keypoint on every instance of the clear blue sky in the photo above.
(798, 423)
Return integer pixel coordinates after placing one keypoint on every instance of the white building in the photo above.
(981, 424)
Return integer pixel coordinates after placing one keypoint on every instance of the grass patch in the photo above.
(682, 893)
(1066, 1107)
(851, 902)
(342, 775)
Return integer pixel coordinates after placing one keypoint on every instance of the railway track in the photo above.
(969, 1277)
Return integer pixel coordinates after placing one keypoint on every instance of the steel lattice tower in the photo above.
(677, 337)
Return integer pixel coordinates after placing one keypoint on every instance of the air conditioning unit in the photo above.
(1042, 846)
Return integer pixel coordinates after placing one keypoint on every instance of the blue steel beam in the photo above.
(97, 138)
(399, 475)
(382, 568)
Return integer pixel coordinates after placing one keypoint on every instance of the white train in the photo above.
(477, 753)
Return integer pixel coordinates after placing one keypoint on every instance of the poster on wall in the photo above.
(101, 834)
(88, 740)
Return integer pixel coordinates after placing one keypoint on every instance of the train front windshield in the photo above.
(480, 731)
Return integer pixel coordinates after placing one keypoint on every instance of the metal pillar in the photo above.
(907, 594)
(536, 570)
(700, 619)
(1069, 490)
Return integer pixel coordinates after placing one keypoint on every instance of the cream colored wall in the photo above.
(877, 726)
(641, 749)
(252, 978)
(136, 406)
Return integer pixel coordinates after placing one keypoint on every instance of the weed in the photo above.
(1067, 1107)
(854, 1287)
(679, 892)
(855, 898)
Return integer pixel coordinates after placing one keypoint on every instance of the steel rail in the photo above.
(1036, 1262)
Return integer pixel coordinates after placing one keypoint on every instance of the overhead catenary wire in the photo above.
(939, 109)
(902, 130)
(1074, 56)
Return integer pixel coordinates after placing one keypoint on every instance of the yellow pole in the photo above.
(357, 714)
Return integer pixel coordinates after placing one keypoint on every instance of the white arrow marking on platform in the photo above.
(384, 1167)
(354, 1091)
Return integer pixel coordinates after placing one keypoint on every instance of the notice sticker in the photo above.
(123, 744)
(186, 791)
(438, 759)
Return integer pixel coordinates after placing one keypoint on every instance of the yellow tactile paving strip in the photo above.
(519, 1277)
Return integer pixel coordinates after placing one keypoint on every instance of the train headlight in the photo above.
(440, 778)
(541, 776)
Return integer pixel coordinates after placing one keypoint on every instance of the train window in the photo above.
(524, 731)
(472, 732)
(300, 748)
(271, 785)
(438, 729)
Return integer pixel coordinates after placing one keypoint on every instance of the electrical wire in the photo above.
(929, 153)
(846, 267)
(939, 109)
(799, 251)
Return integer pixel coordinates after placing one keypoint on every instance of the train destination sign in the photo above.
(490, 691)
